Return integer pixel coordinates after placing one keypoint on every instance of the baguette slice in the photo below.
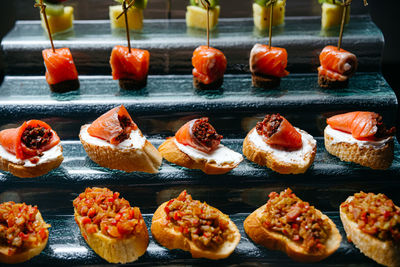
(172, 239)
(383, 252)
(146, 159)
(368, 156)
(115, 250)
(266, 158)
(276, 241)
(173, 154)
(30, 171)
(24, 255)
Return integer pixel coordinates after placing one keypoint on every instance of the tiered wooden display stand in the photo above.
(170, 100)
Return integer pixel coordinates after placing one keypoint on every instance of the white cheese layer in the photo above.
(221, 156)
(299, 157)
(47, 156)
(135, 141)
(342, 137)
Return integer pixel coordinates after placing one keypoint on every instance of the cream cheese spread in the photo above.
(299, 157)
(222, 155)
(342, 137)
(47, 156)
(135, 141)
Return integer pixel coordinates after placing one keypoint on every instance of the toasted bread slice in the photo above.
(25, 255)
(22, 171)
(172, 239)
(269, 159)
(146, 159)
(378, 158)
(173, 154)
(276, 241)
(383, 252)
(115, 250)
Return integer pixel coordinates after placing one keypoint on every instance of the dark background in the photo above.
(385, 13)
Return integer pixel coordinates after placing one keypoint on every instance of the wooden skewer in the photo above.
(271, 18)
(208, 24)
(168, 9)
(124, 12)
(129, 6)
(43, 11)
(346, 5)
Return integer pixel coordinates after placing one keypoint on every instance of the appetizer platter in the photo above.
(201, 141)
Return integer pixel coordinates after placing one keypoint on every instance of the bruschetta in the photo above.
(196, 145)
(31, 150)
(293, 226)
(187, 224)
(114, 141)
(275, 143)
(113, 228)
(372, 224)
(23, 232)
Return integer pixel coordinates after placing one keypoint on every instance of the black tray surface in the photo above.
(71, 249)
(169, 101)
(171, 44)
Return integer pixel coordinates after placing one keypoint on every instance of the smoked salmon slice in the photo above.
(362, 125)
(276, 130)
(268, 61)
(133, 65)
(113, 126)
(337, 65)
(209, 64)
(199, 134)
(60, 66)
(29, 140)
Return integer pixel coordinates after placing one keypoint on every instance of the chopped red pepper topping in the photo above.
(375, 214)
(287, 214)
(20, 229)
(197, 221)
(103, 210)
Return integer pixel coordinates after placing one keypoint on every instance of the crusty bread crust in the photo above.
(212, 86)
(30, 172)
(24, 255)
(172, 239)
(173, 154)
(115, 250)
(265, 81)
(326, 82)
(265, 158)
(147, 159)
(276, 241)
(383, 252)
(374, 158)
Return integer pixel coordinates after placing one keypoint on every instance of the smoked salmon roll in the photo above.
(61, 73)
(197, 145)
(114, 141)
(336, 67)
(275, 143)
(267, 65)
(360, 137)
(31, 150)
(209, 68)
(131, 69)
